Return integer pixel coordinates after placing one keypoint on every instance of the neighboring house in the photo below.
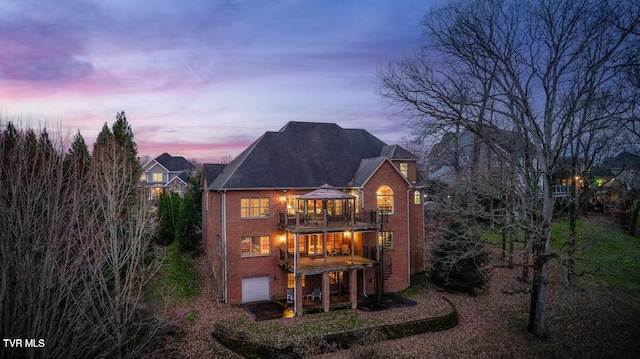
(297, 216)
(465, 158)
(626, 167)
(166, 174)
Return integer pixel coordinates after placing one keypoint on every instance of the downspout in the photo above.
(296, 254)
(364, 283)
(223, 204)
(408, 236)
(424, 234)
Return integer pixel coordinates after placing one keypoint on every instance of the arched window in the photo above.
(384, 199)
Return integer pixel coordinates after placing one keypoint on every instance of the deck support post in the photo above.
(326, 292)
(353, 288)
(298, 294)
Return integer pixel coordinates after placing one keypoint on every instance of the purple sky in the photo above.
(202, 78)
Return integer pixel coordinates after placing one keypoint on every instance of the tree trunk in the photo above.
(537, 309)
(541, 246)
(512, 241)
(571, 241)
(525, 257)
(633, 225)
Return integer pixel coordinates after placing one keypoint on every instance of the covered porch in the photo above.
(335, 288)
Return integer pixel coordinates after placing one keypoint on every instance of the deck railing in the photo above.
(299, 219)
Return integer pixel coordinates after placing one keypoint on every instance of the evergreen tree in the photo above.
(188, 233)
(459, 260)
(78, 158)
(168, 209)
(123, 136)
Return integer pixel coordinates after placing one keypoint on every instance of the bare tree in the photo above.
(74, 248)
(524, 67)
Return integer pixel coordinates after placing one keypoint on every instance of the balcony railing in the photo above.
(560, 190)
(317, 264)
(300, 221)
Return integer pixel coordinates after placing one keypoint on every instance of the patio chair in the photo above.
(345, 249)
(290, 296)
(317, 293)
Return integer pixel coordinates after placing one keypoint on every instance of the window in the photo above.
(315, 245)
(290, 280)
(336, 277)
(255, 246)
(404, 169)
(254, 208)
(156, 192)
(385, 239)
(384, 199)
(143, 177)
(302, 246)
(292, 205)
(335, 208)
(416, 197)
(157, 177)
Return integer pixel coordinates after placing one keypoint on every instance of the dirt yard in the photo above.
(585, 321)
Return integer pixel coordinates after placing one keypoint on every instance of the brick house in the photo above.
(314, 214)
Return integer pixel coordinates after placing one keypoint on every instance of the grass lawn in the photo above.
(177, 279)
(605, 254)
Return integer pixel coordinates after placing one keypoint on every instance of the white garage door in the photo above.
(255, 289)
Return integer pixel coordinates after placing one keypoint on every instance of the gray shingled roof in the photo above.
(396, 152)
(366, 169)
(301, 155)
(211, 171)
(174, 163)
(622, 160)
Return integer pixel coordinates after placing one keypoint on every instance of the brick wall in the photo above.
(239, 267)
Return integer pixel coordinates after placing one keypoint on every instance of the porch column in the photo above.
(297, 279)
(353, 288)
(324, 246)
(326, 292)
(353, 244)
(298, 294)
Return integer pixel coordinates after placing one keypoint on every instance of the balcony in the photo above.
(329, 262)
(303, 223)
(560, 191)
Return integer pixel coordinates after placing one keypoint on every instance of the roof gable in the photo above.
(368, 167)
(182, 177)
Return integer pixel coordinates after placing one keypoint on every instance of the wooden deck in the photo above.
(331, 263)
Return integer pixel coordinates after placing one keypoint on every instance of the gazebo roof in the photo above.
(326, 192)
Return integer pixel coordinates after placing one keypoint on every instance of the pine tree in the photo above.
(78, 159)
(189, 224)
(459, 260)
